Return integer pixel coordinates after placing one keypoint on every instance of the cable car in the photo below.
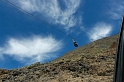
(75, 43)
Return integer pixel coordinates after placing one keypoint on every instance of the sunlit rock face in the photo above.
(92, 62)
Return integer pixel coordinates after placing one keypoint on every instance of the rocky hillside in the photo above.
(93, 62)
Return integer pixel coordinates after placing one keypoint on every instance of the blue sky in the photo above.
(25, 40)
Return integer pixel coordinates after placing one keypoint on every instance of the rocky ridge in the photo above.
(93, 62)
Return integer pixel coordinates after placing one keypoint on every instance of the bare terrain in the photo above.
(93, 62)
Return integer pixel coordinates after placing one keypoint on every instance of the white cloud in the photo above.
(100, 30)
(33, 49)
(117, 9)
(51, 9)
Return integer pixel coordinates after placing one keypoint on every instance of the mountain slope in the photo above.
(93, 62)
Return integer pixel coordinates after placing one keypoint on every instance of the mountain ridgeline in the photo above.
(93, 62)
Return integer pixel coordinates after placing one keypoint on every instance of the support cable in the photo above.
(31, 15)
(65, 13)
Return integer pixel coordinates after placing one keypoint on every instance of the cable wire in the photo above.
(31, 15)
(66, 14)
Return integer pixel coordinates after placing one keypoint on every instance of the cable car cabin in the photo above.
(75, 43)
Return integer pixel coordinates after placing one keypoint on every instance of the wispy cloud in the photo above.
(33, 49)
(117, 9)
(100, 30)
(52, 11)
